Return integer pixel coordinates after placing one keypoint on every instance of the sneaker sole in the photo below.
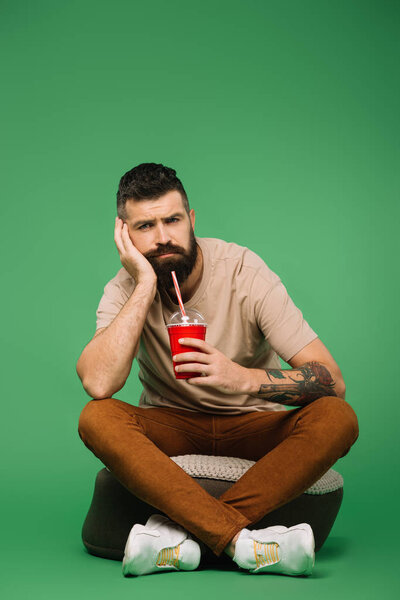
(309, 548)
(189, 558)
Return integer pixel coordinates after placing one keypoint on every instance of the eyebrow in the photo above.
(144, 222)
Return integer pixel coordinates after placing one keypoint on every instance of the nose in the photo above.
(162, 236)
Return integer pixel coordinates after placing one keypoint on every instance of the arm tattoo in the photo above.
(298, 386)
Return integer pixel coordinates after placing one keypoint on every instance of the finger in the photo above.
(188, 367)
(197, 343)
(196, 356)
(126, 240)
(118, 225)
(117, 238)
(199, 380)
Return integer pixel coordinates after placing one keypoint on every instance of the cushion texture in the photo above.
(228, 468)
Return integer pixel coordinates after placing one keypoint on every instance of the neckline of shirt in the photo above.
(166, 300)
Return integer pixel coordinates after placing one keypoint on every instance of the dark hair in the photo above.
(148, 181)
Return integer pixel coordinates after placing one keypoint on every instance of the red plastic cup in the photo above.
(194, 328)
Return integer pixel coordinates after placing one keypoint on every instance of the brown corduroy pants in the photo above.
(292, 449)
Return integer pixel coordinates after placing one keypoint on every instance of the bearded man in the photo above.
(234, 407)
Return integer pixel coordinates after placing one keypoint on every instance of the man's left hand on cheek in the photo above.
(221, 373)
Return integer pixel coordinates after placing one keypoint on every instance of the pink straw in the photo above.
(178, 293)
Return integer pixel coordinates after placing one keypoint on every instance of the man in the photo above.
(234, 407)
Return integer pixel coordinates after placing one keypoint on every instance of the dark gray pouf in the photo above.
(114, 510)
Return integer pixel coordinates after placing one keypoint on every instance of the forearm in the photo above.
(106, 361)
(296, 387)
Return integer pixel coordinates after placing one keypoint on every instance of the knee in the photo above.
(92, 415)
(349, 418)
(341, 416)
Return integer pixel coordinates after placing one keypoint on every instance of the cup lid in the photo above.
(193, 317)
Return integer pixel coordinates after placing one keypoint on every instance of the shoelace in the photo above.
(266, 554)
(168, 557)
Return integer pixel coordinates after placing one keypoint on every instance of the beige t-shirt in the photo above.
(250, 318)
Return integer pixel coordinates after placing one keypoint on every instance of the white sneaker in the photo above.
(160, 545)
(277, 549)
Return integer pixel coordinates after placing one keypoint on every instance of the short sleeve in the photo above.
(111, 302)
(279, 319)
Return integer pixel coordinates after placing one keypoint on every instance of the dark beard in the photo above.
(182, 263)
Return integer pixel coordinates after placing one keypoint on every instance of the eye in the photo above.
(149, 224)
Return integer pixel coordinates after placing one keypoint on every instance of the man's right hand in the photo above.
(134, 262)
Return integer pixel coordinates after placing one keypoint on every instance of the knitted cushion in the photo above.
(114, 510)
(229, 468)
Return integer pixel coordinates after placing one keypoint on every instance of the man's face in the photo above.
(162, 226)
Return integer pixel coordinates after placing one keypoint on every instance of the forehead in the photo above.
(150, 209)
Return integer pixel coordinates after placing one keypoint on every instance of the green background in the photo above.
(281, 119)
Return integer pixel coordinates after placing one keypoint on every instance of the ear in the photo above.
(192, 217)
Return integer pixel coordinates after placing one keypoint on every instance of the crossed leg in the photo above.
(292, 449)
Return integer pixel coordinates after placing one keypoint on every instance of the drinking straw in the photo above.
(178, 293)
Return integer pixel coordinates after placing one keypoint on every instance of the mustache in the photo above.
(165, 251)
